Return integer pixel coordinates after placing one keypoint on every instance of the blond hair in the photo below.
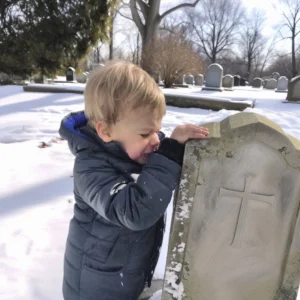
(117, 88)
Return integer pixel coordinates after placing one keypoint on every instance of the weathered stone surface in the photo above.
(81, 77)
(237, 80)
(294, 89)
(282, 85)
(179, 80)
(257, 82)
(227, 82)
(189, 79)
(236, 228)
(199, 79)
(271, 84)
(213, 77)
(51, 88)
(202, 101)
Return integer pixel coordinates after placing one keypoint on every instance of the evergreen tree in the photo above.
(48, 35)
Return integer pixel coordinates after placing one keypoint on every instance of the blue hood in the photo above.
(80, 136)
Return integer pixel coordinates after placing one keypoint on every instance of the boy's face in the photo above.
(137, 133)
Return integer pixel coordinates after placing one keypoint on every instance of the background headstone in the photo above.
(237, 79)
(81, 77)
(70, 74)
(189, 79)
(282, 84)
(179, 80)
(257, 82)
(227, 82)
(199, 79)
(213, 78)
(242, 81)
(271, 84)
(236, 227)
(275, 75)
(294, 89)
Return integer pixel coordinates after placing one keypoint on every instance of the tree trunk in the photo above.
(294, 69)
(111, 42)
(150, 33)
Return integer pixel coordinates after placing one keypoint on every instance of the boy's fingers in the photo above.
(199, 129)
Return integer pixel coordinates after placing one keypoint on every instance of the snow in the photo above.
(36, 184)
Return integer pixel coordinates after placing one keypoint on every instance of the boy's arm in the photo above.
(135, 205)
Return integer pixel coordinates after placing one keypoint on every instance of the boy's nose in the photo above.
(155, 140)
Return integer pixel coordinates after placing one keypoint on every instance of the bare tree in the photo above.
(213, 26)
(147, 17)
(171, 56)
(252, 41)
(291, 17)
(263, 59)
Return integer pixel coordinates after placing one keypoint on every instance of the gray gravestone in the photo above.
(282, 85)
(271, 84)
(237, 79)
(227, 82)
(257, 82)
(213, 78)
(199, 79)
(276, 75)
(189, 79)
(236, 226)
(81, 78)
(70, 74)
(294, 89)
(179, 80)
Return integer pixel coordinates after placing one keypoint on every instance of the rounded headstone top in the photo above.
(215, 66)
(71, 68)
(228, 75)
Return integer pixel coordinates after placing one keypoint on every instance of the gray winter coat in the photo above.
(116, 232)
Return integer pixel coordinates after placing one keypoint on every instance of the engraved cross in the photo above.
(245, 196)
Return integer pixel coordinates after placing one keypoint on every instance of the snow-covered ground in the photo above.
(36, 199)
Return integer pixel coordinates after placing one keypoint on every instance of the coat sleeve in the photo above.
(135, 205)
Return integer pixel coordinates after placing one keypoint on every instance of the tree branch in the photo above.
(136, 18)
(124, 16)
(143, 7)
(177, 7)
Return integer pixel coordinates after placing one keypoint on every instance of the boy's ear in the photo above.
(103, 131)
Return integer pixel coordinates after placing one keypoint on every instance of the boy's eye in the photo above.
(145, 135)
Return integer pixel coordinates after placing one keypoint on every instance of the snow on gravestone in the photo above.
(236, 231)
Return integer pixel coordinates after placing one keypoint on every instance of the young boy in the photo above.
(117, 229)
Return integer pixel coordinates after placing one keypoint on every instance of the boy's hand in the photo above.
(182, 133)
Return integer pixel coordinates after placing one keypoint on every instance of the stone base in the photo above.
(293, 102)
(228, 89)
(51, 88)
(181, 85)
(205, 88)
(206, 102)
(281, 91)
